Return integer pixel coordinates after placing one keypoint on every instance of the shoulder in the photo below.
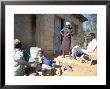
(94, 40)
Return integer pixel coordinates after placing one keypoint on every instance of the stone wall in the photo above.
(45, 30)
(24, 29)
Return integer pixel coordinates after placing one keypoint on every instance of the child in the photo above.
(46, 63)
(47, 66)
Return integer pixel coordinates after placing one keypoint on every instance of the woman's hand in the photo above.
(61, 33)
(33, 64)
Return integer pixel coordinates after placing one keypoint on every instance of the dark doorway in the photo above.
(58, 25)
(62, 25)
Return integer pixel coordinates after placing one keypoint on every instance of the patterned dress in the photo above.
(66, 40)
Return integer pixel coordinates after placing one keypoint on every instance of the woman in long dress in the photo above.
(66, 40)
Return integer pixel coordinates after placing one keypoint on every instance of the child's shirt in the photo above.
(46, 63)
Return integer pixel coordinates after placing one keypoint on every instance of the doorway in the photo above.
(58, 25)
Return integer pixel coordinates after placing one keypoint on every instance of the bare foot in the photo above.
(63, 57)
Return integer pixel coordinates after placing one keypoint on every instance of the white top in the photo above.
(18, 54)
(74, 48)
(91, 46)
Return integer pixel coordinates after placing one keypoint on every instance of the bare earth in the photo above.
(79, 69)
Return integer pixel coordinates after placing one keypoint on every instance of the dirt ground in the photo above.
(79, 69)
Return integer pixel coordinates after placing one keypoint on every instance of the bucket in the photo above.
(34, 51)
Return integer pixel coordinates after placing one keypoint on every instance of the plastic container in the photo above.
(34, 51)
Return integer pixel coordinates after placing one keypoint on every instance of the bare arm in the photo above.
(61, 33)
(71, 33)
(23, 62)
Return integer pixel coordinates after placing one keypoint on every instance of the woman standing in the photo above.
(66, 33)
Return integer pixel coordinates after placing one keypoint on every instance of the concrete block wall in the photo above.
(45, 29)
(23, 30)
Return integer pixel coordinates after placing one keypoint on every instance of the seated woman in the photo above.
(20, 61)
